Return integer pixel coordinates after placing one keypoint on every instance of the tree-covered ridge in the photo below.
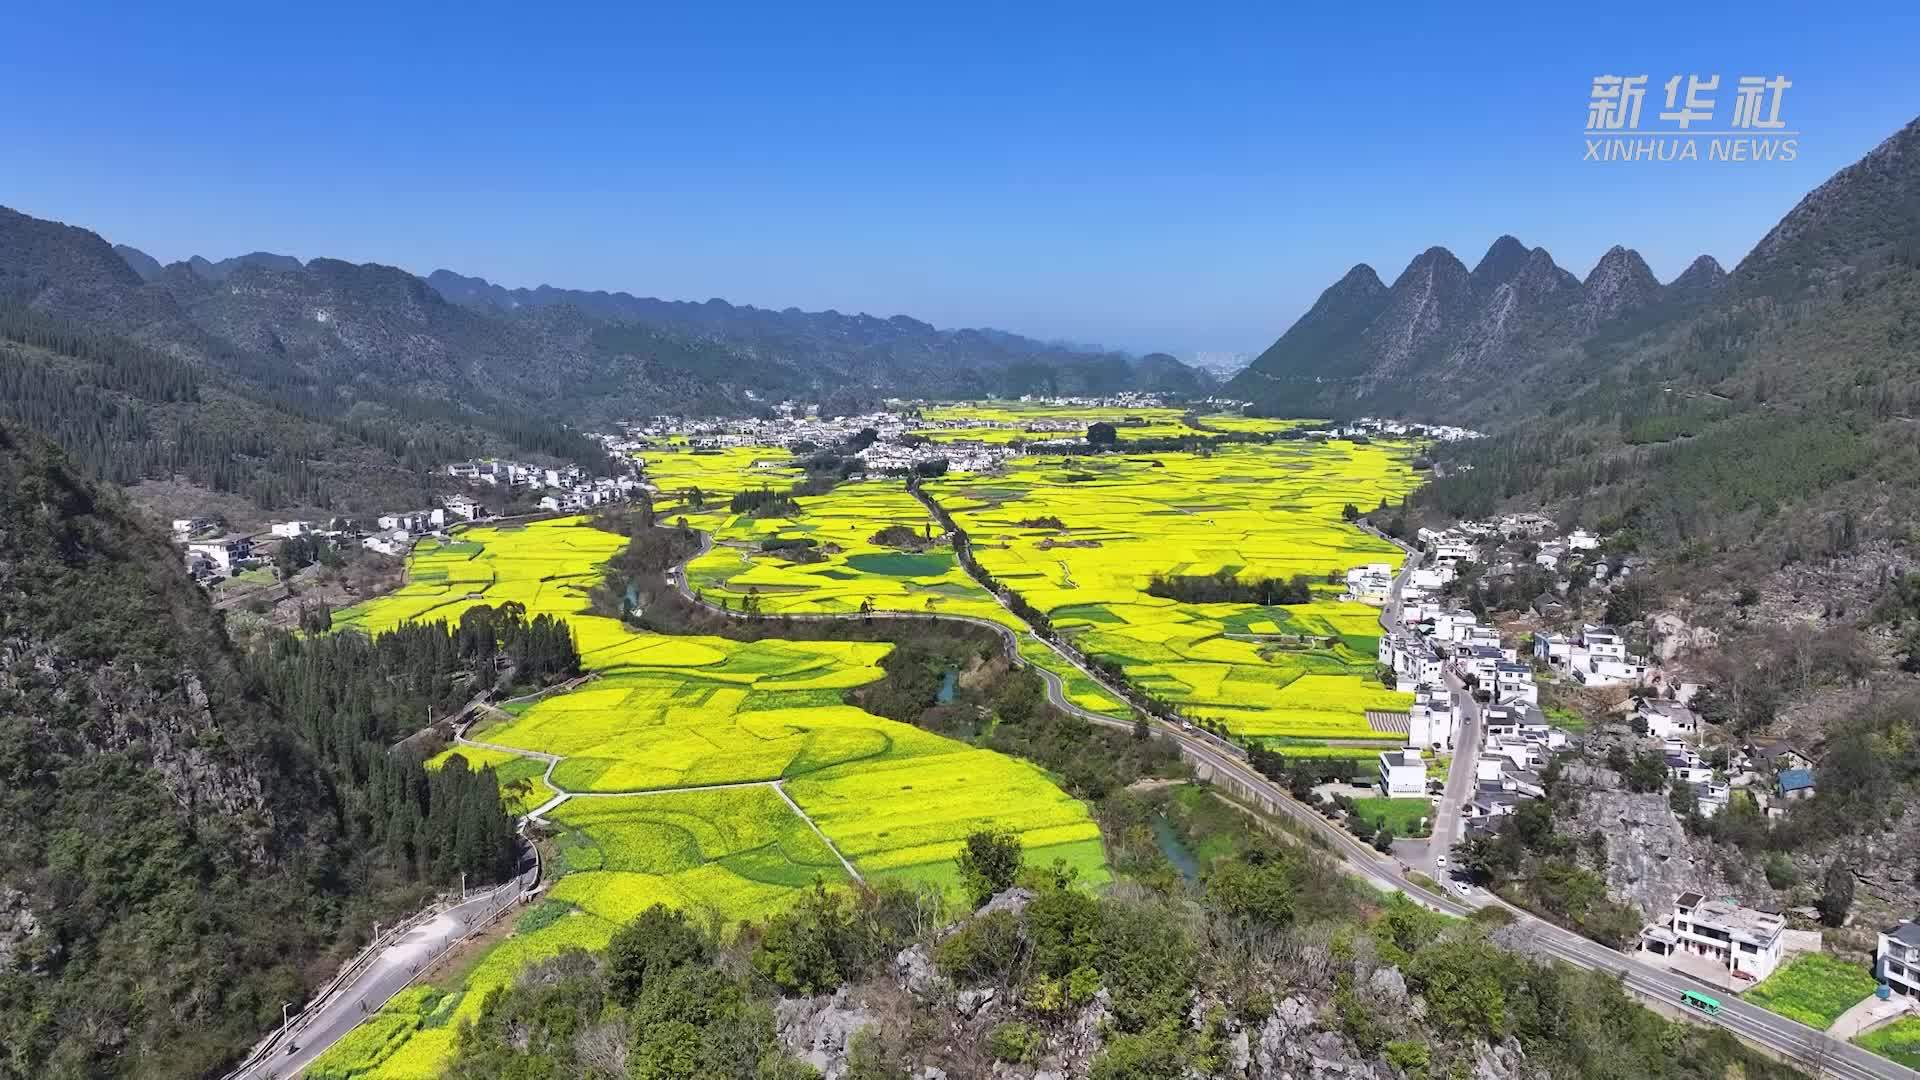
(126, 413)
(152, 812)
(1269, 964)
(189, 834)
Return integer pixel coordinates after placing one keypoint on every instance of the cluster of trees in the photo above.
(1900, 608)
(655, 1004)
(1223, 587)
(194, 832)
(1265, 920)
(355, 697)
(904, 537)
(765, 502)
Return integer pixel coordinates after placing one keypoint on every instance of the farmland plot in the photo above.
(1301, 671)
(670, 713)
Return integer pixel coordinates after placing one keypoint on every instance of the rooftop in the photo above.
(1750, 923)
(1906, 932)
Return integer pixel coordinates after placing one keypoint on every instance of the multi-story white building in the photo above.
(1412, 659)
(1552, 648)
(1514, 682)
(1897, 959)
(1451, 626)
(1402, 772)
(1746, 941)
(1603, 642)
(1452, 550)
(1480, 661)
(1434, 720)
(224, 554)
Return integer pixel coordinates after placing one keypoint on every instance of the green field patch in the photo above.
(1406, 817)
(1813, 988)
(904, 564)
(1898, 1041)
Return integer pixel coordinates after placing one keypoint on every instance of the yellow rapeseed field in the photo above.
(1301, 671)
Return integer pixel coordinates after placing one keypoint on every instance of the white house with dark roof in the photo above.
(1434, 720)
(1514, 681)
(1555, 649)
(1896, 961)
(1744, 940)
(225, 553)
(1667, 719)
(1402, 773)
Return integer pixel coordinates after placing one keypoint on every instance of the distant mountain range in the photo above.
(336, 385)
(601, 355)
(1764, 413)
(1447, 336)
(1517, 333)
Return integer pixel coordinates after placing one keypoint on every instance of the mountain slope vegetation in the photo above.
(191, 834)
(1692, 414)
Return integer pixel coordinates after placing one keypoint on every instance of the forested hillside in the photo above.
(191, 834)
(332, 386)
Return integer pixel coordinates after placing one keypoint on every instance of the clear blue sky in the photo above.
(1171, 176)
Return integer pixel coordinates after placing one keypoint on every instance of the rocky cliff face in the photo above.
(1650, 858)
(149, 809)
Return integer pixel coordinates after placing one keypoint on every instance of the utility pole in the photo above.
(284, 1019)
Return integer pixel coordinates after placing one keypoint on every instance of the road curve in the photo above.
(396, 965)
(1772, 1032)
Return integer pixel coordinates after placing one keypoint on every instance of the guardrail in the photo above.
(499, 899)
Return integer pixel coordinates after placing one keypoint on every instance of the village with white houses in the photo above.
(215, 554)
(894, 436)
(1478, 692)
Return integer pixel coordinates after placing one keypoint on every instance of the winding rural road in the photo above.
(1810, 1049)
(390, 970)
(1806, 1047)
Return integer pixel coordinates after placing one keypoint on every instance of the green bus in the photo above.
(1705, 1004)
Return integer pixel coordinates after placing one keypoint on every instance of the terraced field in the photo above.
(673, 470)
(1009, 421)
(671, 713)
(1304, 672)
(844, 569)
(733, 853)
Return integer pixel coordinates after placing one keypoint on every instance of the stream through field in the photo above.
(1175, 849)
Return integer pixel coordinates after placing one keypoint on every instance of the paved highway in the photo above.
(1811, 1049)
(389, 972)
(1807, 1047)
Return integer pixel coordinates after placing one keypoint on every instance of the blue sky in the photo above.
(1183, 177)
